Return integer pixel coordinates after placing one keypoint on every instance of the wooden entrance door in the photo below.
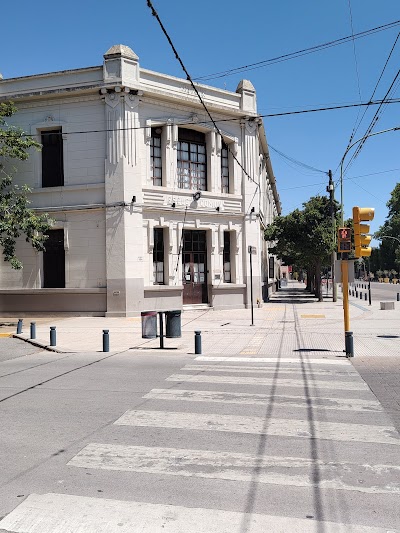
(194, 267)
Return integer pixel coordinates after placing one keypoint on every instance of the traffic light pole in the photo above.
(348, 335)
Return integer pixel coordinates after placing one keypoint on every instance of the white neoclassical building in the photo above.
(152, 208)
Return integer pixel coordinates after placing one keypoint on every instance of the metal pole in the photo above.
(19, 326)
(331, 190)
(369, 292)
(197, 342)
(345, 281)
(106, 340)
(33, 330)
(251, 286)
(349, 344)
(160, 314)
(53, 341)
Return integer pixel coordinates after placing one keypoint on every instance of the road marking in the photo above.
(269, 369)
(288, 471)
(306, 361)
(64, 513)
(312, 316)
(5, 335)
(267, 382)
(263, 399)
(335, 431)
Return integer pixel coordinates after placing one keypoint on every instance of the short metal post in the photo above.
(365, 297)
(398, 296)
(33, 330)
(349, 345)
(53, 336)
(369, 292)
(161, 315)
(19, 326)
(360, 295)
(197, 342)
(106, 340)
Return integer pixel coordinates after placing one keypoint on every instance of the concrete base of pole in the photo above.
(349, 344)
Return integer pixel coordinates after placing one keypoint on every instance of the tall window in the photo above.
(192, 166)
(227, 257)
(155, 156)
(54, 260)
(158, 256)
(52, 158)
(224, 168)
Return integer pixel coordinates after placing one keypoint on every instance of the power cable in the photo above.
(188, 77)
(232, 119)
(298, 53)
(296, 161)
(356, 68)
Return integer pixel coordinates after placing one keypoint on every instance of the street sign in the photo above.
(252, 250)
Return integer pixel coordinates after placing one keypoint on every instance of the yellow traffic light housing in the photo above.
(361, 240)
(344, 240)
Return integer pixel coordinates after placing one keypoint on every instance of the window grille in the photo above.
(227, 257)
(224, 168)
(155, 156)
(158, 256)
(192, 164)
(52, 158)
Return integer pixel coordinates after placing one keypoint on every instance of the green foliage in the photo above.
(16, 218)
(305, 238)
(389, 234)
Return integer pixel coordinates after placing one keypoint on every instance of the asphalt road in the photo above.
(101, 443)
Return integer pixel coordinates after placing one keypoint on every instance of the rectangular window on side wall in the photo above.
(158, 256)
(155, 156)
(52, 158)
(54, 260)
(192, 163)
(224, 168)
(227, 257)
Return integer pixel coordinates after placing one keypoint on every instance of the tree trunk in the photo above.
(318, 284)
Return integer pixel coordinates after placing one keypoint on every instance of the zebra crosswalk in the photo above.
(191, 410)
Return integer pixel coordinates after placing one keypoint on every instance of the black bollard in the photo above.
(106, 340)
(360, 295)
(33, 330)
(349, 345)
(365, 297)
(19, 326)
(398, 296)
(197, 342)
(53, 336)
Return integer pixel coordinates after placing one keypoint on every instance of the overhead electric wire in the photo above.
(373, 122)
(296, 161)
(372, 95)
(155, 14)
(232, 119)
(356, 68)
(298, 53)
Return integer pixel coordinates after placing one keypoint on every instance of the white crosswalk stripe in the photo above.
(281, 369)
(62, 513)
(342, 385)
(305, 361)
(260, 426)
(245, 398)
(294, 471)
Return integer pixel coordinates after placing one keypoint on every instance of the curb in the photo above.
(38, 344)
(5, 335)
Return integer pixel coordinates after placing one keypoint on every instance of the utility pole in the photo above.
(331, 190)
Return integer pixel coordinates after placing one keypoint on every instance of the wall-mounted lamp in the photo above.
(173, 204)
(133, 199)
(217, 208)
(252, 209)
(197, 196)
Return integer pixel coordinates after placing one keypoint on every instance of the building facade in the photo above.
(153, 209)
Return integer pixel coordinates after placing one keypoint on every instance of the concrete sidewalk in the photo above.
(293, 321)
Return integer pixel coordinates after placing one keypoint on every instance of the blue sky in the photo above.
(213, 36)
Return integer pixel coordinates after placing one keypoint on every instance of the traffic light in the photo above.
(344, 240)
(361, 240)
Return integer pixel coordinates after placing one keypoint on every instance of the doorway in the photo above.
(194, 267)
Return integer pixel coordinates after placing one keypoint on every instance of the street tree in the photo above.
(305, 238)
(389, 233)
(16, 218)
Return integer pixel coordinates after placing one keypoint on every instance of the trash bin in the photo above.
(173, 325)
(149, 324)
